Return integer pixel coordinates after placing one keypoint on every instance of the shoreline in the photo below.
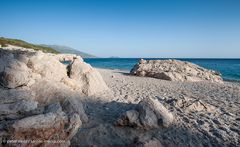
(228, 68)
(93, 100)
(128, 72)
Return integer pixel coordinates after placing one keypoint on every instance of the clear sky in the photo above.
(128, 28)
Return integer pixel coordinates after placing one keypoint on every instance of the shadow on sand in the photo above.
(101, 130)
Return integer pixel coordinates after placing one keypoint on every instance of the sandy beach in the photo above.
(103, 107)
(120, 73)
(206, 114)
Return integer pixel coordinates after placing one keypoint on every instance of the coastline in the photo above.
(128, 72)
(232, 81)
(120, 73)
(93, 100)
(229, 68)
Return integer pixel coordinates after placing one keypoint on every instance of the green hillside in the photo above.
(5, 41)
(69, 50)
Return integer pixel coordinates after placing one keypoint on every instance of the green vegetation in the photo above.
(69, 50)
(5, 41)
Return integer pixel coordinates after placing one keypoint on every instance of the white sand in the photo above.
(205, 113)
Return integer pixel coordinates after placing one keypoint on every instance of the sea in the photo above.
(229, 68)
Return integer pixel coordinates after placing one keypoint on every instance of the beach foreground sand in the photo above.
(205, 114)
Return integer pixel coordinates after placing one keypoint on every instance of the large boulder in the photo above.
(47, 66)
(175, 70)
(14, 74)
(52, 125)
(74, 105)
(149, 114)
(11, 95)
(39, 125)
(44, 72)
(90, 79)
(48, 92)
(14, 110)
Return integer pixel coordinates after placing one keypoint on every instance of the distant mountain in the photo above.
(69, 50)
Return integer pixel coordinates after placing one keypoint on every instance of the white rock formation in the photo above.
(149, 114)
(174, 70)
(14, 74)
(42, 72)
(40, 98)
(89, 77)
(50, 125)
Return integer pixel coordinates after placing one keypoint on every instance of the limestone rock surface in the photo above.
(89, 77)
(41, 98)
(43, 73)
(52, 125)
(15, 74)
(175, 70)
(149, 114)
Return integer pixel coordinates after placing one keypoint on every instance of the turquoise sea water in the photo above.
(229, 68)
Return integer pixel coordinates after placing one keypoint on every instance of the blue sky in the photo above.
(128, 28)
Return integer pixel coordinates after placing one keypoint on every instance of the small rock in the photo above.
(149, 114)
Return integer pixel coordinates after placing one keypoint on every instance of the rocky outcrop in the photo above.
(40, 98)
(15, 74)
(72, 106)
(40, 126)
(14, 110)
(89, 77)
(37, 70)
(174, 70)
(149, 114)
